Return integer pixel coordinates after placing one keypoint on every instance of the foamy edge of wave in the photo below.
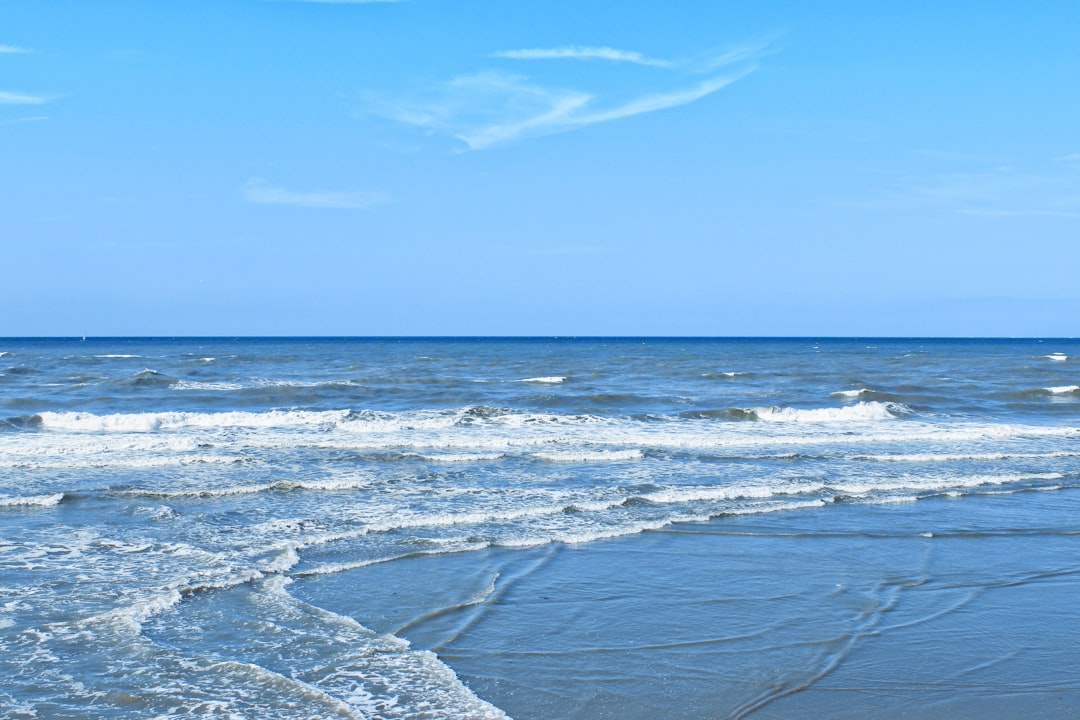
(205, 385)
(851, 393)
(32, 500)
(589, 455)
(552, 379)
(149, 422)
(862, 411)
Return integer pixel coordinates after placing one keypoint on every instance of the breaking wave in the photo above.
(32, 500)
(862, 411)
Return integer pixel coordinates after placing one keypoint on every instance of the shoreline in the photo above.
(951, 607)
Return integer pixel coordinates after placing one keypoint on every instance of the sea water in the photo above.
(538, 528)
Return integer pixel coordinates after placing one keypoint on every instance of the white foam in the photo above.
(463, 457)
(1060, 357)
(32, 500)
(149, 422)
(1063, 389)
(935, 482)
(862, 411)
(780, 507)
(349, 483)
(725, 492)
(202, 492)
(552, 379)
(200, 385)
(589, 455)
(850, 393)
(285, 559)
(117, 356)
(104, 459)
(961, 457)
(255, 488)
(269, 383)
(6, 354)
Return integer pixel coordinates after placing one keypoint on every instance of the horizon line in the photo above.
(82, 338)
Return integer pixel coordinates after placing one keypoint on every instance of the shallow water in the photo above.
(540, 528)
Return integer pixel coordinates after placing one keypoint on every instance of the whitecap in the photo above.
(284, 560)
(1063, 389)
(200, 385)
(1060, 357)
(117, 355)
(861, 411)
(553, 379)
(148, 422)
(32, 500)
(851, 393)
(590, 455)
(463, 457)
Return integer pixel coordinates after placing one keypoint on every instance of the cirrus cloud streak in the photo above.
(578, 52)
(491, 108)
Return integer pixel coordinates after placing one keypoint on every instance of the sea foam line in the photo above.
(32, 500)
(866, 410)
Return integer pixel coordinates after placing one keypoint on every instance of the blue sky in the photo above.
(427, 167)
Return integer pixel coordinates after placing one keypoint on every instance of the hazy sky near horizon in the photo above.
(426, 167)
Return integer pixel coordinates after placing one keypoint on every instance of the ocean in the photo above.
(577, 528)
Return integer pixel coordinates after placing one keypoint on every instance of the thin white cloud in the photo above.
(258, 191)
(36, 118)
(1048, 189)
(734, 54)
(492, 107)
(661, 101)
(580, 52)
(10, 98)
(14, 49)
(571, 111)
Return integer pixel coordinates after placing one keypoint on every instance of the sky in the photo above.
(539, 167)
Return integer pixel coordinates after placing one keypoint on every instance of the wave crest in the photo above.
(32, 500)
(861, 411)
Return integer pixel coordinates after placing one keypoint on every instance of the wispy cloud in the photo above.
(10, 98)
(751, 51)
(1048, 189)
(493, 107)
(572, 110)
(580, 52)
(36, 118)
(256, 190)
(14, 49)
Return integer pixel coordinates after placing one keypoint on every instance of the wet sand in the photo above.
(944, 607)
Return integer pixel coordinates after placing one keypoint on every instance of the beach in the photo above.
(539, 528)
(941, 608)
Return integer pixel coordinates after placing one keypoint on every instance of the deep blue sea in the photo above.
(539, 528)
